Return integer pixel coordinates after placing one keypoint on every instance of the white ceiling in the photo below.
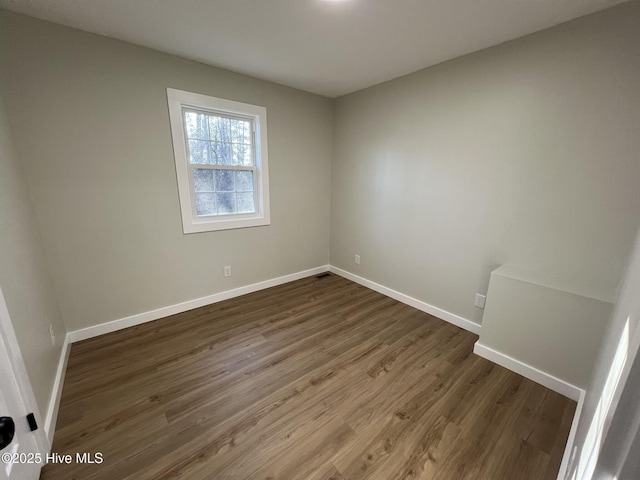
(329, 47)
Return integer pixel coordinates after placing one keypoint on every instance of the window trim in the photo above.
(191, 223)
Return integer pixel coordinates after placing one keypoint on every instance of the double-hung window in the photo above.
(220, 150)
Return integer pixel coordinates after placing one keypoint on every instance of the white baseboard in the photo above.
(126, 322)
(532, 373)
(512, 364)
(568, 449)
(549, 381)
(56, 394)
(413, 302)
(114, 325)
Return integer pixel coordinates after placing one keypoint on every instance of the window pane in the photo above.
(245, 203)
(244, 181)
(198, 152)
(203, 180)
(241, 155)
(240, 131)
(205, 204)
(225, 181)
(226, 203)
(197, 125)
(221, 153)
(219, 129)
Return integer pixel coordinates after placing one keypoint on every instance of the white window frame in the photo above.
(192, 223)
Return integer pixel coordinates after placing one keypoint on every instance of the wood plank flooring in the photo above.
(317, 379)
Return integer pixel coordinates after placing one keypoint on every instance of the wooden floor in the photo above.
(316, 379)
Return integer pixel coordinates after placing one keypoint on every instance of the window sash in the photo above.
(192, 189)
(219, 114)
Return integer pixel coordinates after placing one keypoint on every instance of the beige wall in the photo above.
(24, 274)
(91, 125)
(525, 153)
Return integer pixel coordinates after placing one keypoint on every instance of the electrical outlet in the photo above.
(52, 334)
(357, 260)
(227, 271)
(480, 299)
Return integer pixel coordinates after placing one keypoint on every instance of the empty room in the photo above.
(320, 239)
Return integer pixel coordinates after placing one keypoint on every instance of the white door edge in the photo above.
(10, 341)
